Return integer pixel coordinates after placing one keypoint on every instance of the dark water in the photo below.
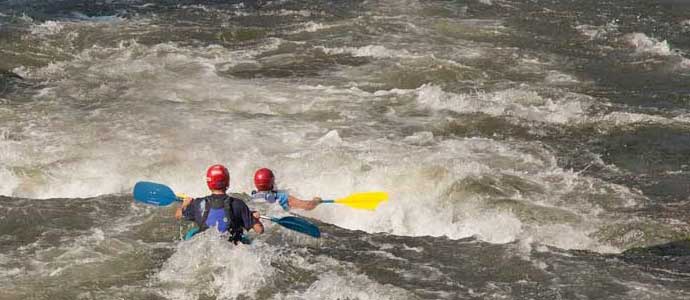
(532, 149)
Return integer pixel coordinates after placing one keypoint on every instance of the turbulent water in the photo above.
(531, 149)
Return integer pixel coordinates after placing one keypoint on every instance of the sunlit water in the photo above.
(531, 150)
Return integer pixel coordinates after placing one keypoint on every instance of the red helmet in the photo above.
(217, 177)
(263, 179)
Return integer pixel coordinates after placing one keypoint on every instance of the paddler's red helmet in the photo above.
(263, 179)
(217, 177)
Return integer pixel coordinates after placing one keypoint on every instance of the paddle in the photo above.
(162, 195)
(296, 224)
(154, 193)
(365, 200)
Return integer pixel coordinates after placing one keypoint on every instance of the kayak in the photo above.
(194, 230)
(190, 233)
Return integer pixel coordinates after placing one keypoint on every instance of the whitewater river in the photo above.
(531, 149)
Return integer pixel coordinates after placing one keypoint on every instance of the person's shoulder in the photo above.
(203, 198)
(198, 200)
(236, 201)
(235, 198)
(241, 196)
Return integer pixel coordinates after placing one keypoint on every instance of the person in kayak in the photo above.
(264, 181)
(218, 209)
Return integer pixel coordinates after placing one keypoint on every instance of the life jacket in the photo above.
(272, 197)
(218, 212)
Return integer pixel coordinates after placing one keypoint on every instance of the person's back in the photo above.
(225, 213)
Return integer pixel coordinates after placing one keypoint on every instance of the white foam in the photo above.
(494, 227)
(66, 258)
(50, 27)
(280, 12)
(172, 115)
(47, 28)
(598, 32)
(420, 138)
(568, 109)
(645, 44)
(10, 155)
(524, 104)
(623, 118)
(313, 27)
(84, 17)
(566, 236)
(643, 290)
(590, 31)
(417, 169)
(303, 13)
(683, 118)
(332, 285)
(332, 138)
(376, 51)
(209, 264)
(556, 77)
(24, 17)
(426, 201)
(200, 7)
(64, 171)
(10, 182)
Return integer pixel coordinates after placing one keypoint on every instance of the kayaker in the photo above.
(264, 181)
(218, 209)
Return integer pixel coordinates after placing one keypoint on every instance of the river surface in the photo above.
(531, 149)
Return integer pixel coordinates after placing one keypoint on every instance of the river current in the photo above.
(531, 149)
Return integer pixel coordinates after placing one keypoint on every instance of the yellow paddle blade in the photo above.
(365, 200)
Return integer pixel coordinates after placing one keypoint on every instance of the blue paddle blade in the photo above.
(153, 193)
(299, 225)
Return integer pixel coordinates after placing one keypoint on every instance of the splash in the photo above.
(524, 104)
(645, 44)
(332, 285)
(209, 265)
(376, 51)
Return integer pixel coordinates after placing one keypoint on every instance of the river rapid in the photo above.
(531, 149)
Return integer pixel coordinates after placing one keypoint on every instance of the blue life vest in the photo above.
(272, 197)
(216, 217)
(226, 213)
(217, 211)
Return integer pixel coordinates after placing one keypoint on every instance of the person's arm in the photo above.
(258, 226)
(250, 219)
(183, 210)
(294, 202)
